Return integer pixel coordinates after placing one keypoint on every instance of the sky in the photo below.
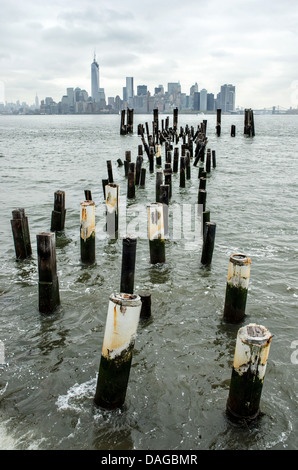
(46, 47)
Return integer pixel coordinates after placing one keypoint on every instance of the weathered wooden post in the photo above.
(218, 122)
(202, 196)
(158, 183)
(48, 285)
(176, 160)
(21, 234)
(248, 373)
(112, 205)
(110, 171)
(205, 218)
(175, 119)
(182, 172)
(237, 287)
(129, 128)
(208, 161)
(123, 129)
(58, 214)
(129, 246)
(156, 233)
(202, 183)
(117, 350)
(131, 188)
(208, 243)
(233, 130)
(87, 230)
(213, 159)
(143, 178)
(151, 159)
(146, 305)
(139, 162)
(104, 183)
(187, 165)
(88, 195)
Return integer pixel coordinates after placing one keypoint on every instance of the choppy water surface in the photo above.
(182, 364)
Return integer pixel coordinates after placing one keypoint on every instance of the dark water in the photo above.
(179, 379)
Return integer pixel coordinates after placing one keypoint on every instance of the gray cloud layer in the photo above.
(45, 48)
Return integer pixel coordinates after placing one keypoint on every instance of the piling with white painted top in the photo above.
(237, 287)
(117, 350)
(87, 231)
(48, 285)
(112, 206)
(249, 367)
(156, 232)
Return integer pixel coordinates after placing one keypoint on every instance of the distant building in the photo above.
(227, 98)
(94, 80)
(129, 91)
(203, 100)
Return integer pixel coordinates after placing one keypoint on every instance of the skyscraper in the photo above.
(227, 98)
(129, 91)
(94, 80)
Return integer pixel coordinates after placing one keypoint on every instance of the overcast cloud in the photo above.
(47, 47)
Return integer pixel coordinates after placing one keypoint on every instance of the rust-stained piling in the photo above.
(59, 212)
(48, 285)
(117, 350)
(248, 373)
(21, 234)
(156, 233)
(87, 231)
(112, 205)
(237, 288)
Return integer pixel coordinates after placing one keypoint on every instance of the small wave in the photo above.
(75, 396)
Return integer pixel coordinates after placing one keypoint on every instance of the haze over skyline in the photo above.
(45, 48)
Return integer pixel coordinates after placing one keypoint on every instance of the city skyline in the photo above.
(45, 48)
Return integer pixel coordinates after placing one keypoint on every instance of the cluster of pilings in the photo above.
(126, 126)
(125, 307)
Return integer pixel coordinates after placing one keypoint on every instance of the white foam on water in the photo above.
(7, 442)
(75, 395)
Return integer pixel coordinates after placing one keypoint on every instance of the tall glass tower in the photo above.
(94, 80)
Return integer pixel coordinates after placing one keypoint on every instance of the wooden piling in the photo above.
(129, 246)
(218, 122)
(158, 183)
(117, 350)
(182, 172)
(213, 159)
(138, 169)
(59, 212)
(208, 243)
(21, 234)
(48, 285)
(146, 305)
(87, 231)
(248, 373)
(123, 129)
(110, 171)
(236, 288)
(202, 196)
(129, 128)
(131, 189)
(233, 130)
